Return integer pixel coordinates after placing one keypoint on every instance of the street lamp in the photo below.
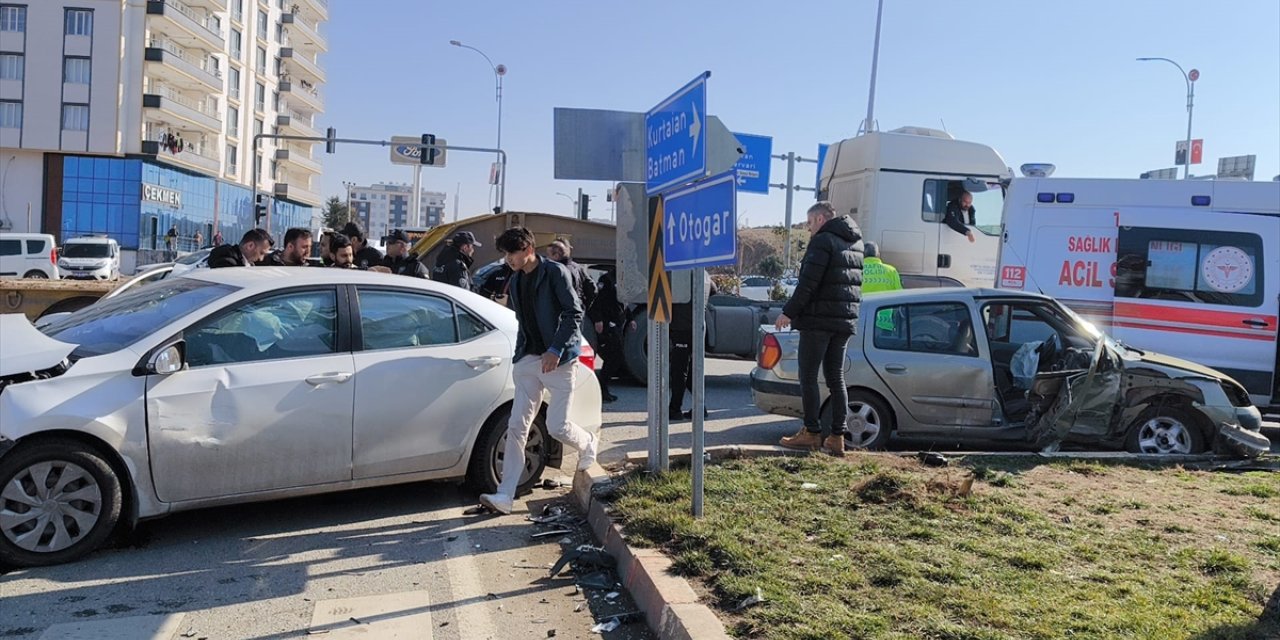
(350, 211)
(572, 201)
(1190, 78)
(499, 70)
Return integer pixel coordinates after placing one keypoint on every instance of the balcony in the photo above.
(297, 124)
(169, 62)
(192, 158)
(317, 10)
(188, 27)
(298, 159)
(299, 66)
(211, 5)
(188, 112)
(297, 193)
(303, 97)
(303, 35)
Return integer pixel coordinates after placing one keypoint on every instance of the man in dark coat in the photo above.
(297, 248)
(957, 211)
(365, 255)
(681, 339)
(824, 309)
(561, 251)
(253, 246)
(609, 316)
(399, 260)
(453, 265)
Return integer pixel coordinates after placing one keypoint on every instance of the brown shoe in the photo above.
(804, 440)
(833, 445)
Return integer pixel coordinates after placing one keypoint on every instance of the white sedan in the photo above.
(236, 385)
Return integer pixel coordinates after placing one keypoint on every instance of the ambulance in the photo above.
(1188, 268)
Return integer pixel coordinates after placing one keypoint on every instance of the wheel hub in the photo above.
(49, 506)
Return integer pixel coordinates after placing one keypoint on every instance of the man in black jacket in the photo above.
(609, 316)
(681, 340)
(365, 255)
(561, 251)
(253, 246)
(547, 346)
(957, 211)
(399, 260)
(297, 247)
(824, 309)
(453, 265)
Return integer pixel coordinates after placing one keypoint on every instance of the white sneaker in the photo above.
(587, 457)
(497, 502)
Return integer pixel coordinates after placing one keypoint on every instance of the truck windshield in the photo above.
(86, 250)
(989, 208)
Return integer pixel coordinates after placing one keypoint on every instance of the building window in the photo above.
(237, 10)
(75, 117)
(280, 33)
(233, 88)
(234, 42)
(75, 70)
(233, 122)
(262, 61)
(11, 65)
(257, 127)
(233, 159)
(79, 22)
(262, 24)
(10, 114)
(13, 19)
(260, 97)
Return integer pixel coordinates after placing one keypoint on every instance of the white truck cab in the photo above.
(90, 258)
(896, 186)
(1189, 268)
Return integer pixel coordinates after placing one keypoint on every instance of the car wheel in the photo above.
(58, 501)
(869, 423)
(1166, 430)
(486, 461)
(36, 274)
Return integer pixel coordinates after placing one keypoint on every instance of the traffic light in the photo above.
(584, 206)
(428, 156)
(329, 144)
(259, 209)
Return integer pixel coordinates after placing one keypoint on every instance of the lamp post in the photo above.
(499, 70)
(1190, 78)
(572, 201)
(350, 211)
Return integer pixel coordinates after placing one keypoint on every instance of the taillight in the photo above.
(53, 256)
(770, 352)
(588, 357)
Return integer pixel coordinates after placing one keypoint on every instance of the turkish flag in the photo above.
(1197, 150)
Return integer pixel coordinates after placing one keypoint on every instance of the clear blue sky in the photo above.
(1038, 81)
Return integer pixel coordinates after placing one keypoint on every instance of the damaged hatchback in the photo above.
(980, 365)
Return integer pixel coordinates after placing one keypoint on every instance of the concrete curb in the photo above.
(670, 605)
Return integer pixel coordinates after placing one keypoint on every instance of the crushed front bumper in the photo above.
(1243, 439)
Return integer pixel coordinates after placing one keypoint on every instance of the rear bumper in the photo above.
(775, 396)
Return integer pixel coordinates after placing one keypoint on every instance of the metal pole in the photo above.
(875, 64)
(664, 396)
(415, 213)
(655, 380)
(791, 183)
(503, 178)
(577, 205)
(457, 195)
(699, 383)
(1191, 94)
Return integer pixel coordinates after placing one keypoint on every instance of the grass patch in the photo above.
(1255, 490)
(888, 549)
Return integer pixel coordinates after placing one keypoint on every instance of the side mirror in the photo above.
(167, 360)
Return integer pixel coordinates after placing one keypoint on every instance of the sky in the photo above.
(1038, 81)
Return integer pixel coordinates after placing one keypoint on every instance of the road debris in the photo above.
(933, 459)
(809, 486)
(750, 601)
(606, 627)
(583, 555)
(553, 532)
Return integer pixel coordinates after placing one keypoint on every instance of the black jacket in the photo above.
(582, 284)
(276, 259)
(682, 312)
(606, 307)
(453, 267)
(368, 257)
(830, 287)
(955, 216)
(408, 265)
(495, 284)
(228, 255)
(556, 307)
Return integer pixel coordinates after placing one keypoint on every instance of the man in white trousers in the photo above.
(549, 341)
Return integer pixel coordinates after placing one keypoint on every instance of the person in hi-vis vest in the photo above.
(878, 276)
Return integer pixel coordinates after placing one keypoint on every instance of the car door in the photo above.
(1207, 291)
(428, 373)
(265, 401)
(930, 359)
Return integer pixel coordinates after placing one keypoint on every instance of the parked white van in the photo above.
(90, 258)
(1190, 268)
(28, 255)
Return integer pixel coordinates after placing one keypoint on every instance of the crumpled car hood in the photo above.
(1177, 367)
(23, 349)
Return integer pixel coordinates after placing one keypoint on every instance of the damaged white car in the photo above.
(978, 365)
(236, 385)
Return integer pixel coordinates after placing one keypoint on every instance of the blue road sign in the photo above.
(753, 166)
(817, 182)
(675, 138)
(700, 223)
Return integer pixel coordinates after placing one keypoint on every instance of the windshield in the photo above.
(113, 324)
(988, 208)
(194, 258)
(86, 250)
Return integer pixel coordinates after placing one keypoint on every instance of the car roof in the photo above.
(88, 240)
(953, 293)
(253, 279)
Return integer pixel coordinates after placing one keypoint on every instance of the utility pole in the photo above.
(790, 187)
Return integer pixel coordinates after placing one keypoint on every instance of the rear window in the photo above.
(112, 324)
(10, 247)
(35, 247)
(86, 250)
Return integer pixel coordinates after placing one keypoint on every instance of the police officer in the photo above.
(878, 276)
(399, 260)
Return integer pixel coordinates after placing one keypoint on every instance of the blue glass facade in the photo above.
(105, 196)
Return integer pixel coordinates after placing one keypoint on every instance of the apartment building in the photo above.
(131, 117)
(385, 206)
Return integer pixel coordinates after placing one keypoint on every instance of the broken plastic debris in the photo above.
(809, 486)
(551, 633)
(578, 608)
(933, 459)
(477, 510)
(751, 601)
(606, 627)
(553, 532)
(611, 595)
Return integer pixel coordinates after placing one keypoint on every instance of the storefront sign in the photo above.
(152, 193)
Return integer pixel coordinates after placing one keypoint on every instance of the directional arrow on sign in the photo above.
(695, 128)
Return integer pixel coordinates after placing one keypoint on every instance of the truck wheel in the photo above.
(60, 500)
(635, 351)
(485, 471)
(36, 274)
(1166, 430)
(869, 422)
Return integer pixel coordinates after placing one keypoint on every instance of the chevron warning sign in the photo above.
(659, 277)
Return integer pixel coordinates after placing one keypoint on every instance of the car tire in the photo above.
(87, 504)
(873, 426)
(36, 274)
(486, 459)
(1166, 430)
(635, 350)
